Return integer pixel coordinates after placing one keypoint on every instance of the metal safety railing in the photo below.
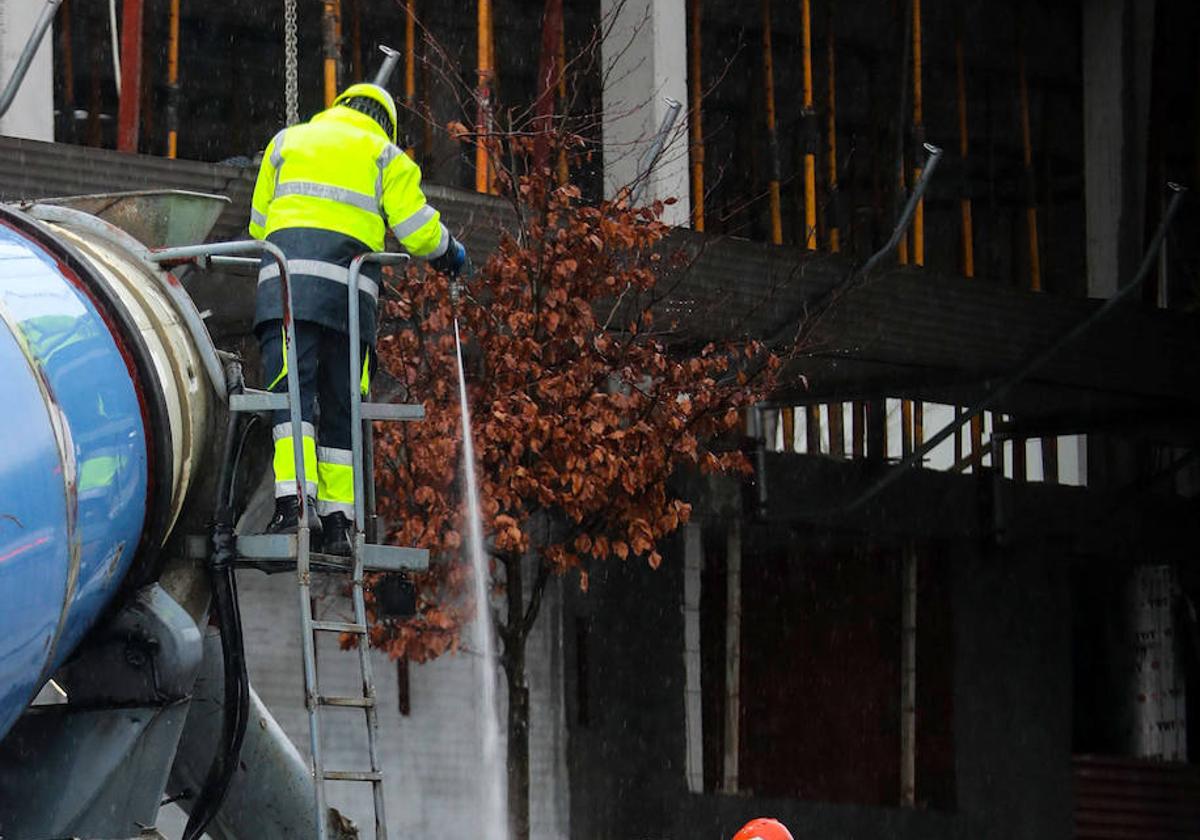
(270, 551)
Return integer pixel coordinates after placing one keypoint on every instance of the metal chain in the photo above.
(291, 86)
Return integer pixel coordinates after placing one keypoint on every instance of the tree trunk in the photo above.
(518, 749)
(517, 632)
(520, 621)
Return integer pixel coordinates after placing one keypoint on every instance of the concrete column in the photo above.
(1157, 693)
(32, 112)
(645, 62)
(1118, 46)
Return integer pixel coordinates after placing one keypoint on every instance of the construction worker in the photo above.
(763, 828)
(327, 191)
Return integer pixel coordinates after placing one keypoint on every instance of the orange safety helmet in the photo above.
(763, 829)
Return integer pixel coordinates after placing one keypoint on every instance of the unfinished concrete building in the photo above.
(958, 598)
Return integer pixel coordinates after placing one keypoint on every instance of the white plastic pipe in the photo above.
(116, 45)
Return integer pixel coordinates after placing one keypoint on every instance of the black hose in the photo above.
(229, 622)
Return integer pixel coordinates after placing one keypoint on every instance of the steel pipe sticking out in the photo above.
(27, 53)
(651, 156)
(918, 193)
(390, 60)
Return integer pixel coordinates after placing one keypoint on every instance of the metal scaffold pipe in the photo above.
(410, 64)
(68, 61)
(329, 31)
(483, 120)
(837, 424)
(968, 230)
(834, 223)
(1031, 220)
(129, 112)
(918, 132)
(911, 413)
(901, 120)
(564, 170)
(772, 137)
(356, 56)
(173, 80)
(810, 140)
(548, 78)
(965, 212)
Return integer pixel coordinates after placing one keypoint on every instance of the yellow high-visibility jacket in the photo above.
(326, 189)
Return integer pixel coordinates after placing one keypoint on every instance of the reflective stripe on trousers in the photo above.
(335, 491)
(284, 462)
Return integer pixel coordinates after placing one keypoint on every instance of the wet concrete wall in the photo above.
(1011, 660)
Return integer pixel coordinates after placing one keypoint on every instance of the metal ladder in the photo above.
(281, 552)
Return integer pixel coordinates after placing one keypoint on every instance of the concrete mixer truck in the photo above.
(122, 683)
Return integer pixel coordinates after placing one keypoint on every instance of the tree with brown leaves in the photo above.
(582, 410)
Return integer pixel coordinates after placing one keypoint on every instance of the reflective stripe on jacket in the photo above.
(318, 265)
(339, 172)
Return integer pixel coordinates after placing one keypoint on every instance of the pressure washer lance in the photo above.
(457, 287)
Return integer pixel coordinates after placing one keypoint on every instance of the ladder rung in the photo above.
(393, 411)
(376, 558)
(267, 546)
(352, 776)
(352, 702)
(393, 558)
(339, 627)
(254, 400)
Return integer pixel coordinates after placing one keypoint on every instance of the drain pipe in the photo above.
(26, 58)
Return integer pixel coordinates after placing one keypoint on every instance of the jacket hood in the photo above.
(375, 92)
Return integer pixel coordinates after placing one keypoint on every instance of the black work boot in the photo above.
(287, 516)
(338, 534)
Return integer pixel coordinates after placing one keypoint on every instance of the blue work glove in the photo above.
(454, 262)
